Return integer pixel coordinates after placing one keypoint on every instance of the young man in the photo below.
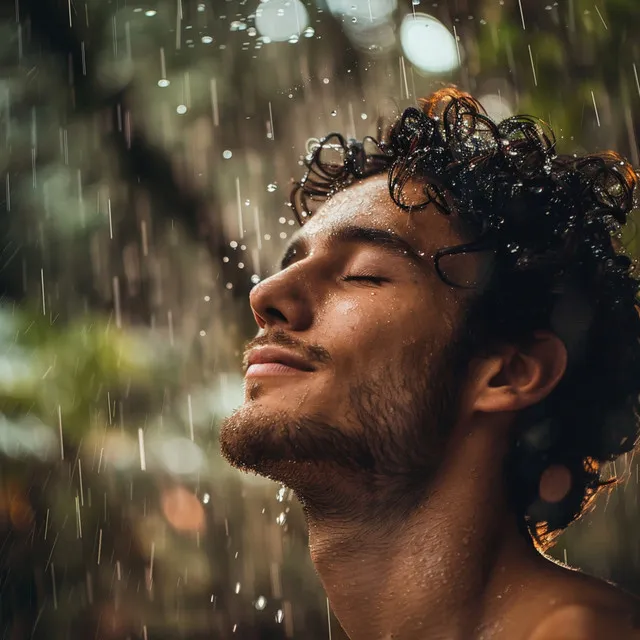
(448, 353)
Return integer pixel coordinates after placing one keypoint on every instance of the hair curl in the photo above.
(547, 223)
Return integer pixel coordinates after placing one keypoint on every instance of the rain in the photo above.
(148, 150)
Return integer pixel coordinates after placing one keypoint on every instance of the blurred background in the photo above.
(147, 151)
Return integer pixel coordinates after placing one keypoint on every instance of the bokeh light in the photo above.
(428, 44)
(281, 20)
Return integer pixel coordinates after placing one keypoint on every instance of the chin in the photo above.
(284, 445)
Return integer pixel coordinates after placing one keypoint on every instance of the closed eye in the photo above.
(364, 278)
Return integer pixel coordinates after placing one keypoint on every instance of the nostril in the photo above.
(274, 313)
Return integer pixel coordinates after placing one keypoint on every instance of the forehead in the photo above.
(369, 204)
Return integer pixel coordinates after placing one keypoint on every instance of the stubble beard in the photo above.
(391, 441)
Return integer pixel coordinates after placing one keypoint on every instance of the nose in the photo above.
(282, 300)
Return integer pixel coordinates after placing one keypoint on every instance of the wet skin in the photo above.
(395, 455)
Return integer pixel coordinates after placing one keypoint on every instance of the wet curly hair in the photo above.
(550, 225)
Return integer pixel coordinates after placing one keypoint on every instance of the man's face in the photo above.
(375, 323)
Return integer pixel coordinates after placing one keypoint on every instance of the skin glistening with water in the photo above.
(396, 457)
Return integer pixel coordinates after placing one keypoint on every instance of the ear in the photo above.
(517, 377)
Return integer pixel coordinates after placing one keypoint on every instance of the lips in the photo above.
(276, 355)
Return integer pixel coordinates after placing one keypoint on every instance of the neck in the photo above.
(441, 569)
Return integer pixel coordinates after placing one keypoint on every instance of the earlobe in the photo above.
(518, 377)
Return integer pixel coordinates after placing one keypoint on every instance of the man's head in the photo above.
(455, 269)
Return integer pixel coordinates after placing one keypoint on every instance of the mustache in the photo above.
(313, 354)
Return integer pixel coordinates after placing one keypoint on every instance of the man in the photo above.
(448, 353)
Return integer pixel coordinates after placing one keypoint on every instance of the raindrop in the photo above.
(150, 13)
(201, 7)
(206, 39)
(334, 113)
(240, 265)
(309, 32)
(325, 80)
(163, 82)
(354, 19)
(225, 259)
(181, 109)
(237, 587)
(272, 187)
(279, 615)
(236, 25)
(208, 298)
(203, 333)
(261, 603)
(363, 116)
(282, 219)
(233, 244)
(255, 278)
(251, 31)
(294, 38)
(283, 235)
(229, 285)
(226, 154)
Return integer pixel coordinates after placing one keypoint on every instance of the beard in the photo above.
(392, 436)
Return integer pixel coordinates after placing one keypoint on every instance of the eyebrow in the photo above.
(382, 238)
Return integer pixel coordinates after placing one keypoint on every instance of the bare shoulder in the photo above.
(583, 622)
(585, 608)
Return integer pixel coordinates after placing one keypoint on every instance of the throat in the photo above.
(429, 568)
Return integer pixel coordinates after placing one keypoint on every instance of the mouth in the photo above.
(273, 361)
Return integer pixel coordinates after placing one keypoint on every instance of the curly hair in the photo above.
(549, 224)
